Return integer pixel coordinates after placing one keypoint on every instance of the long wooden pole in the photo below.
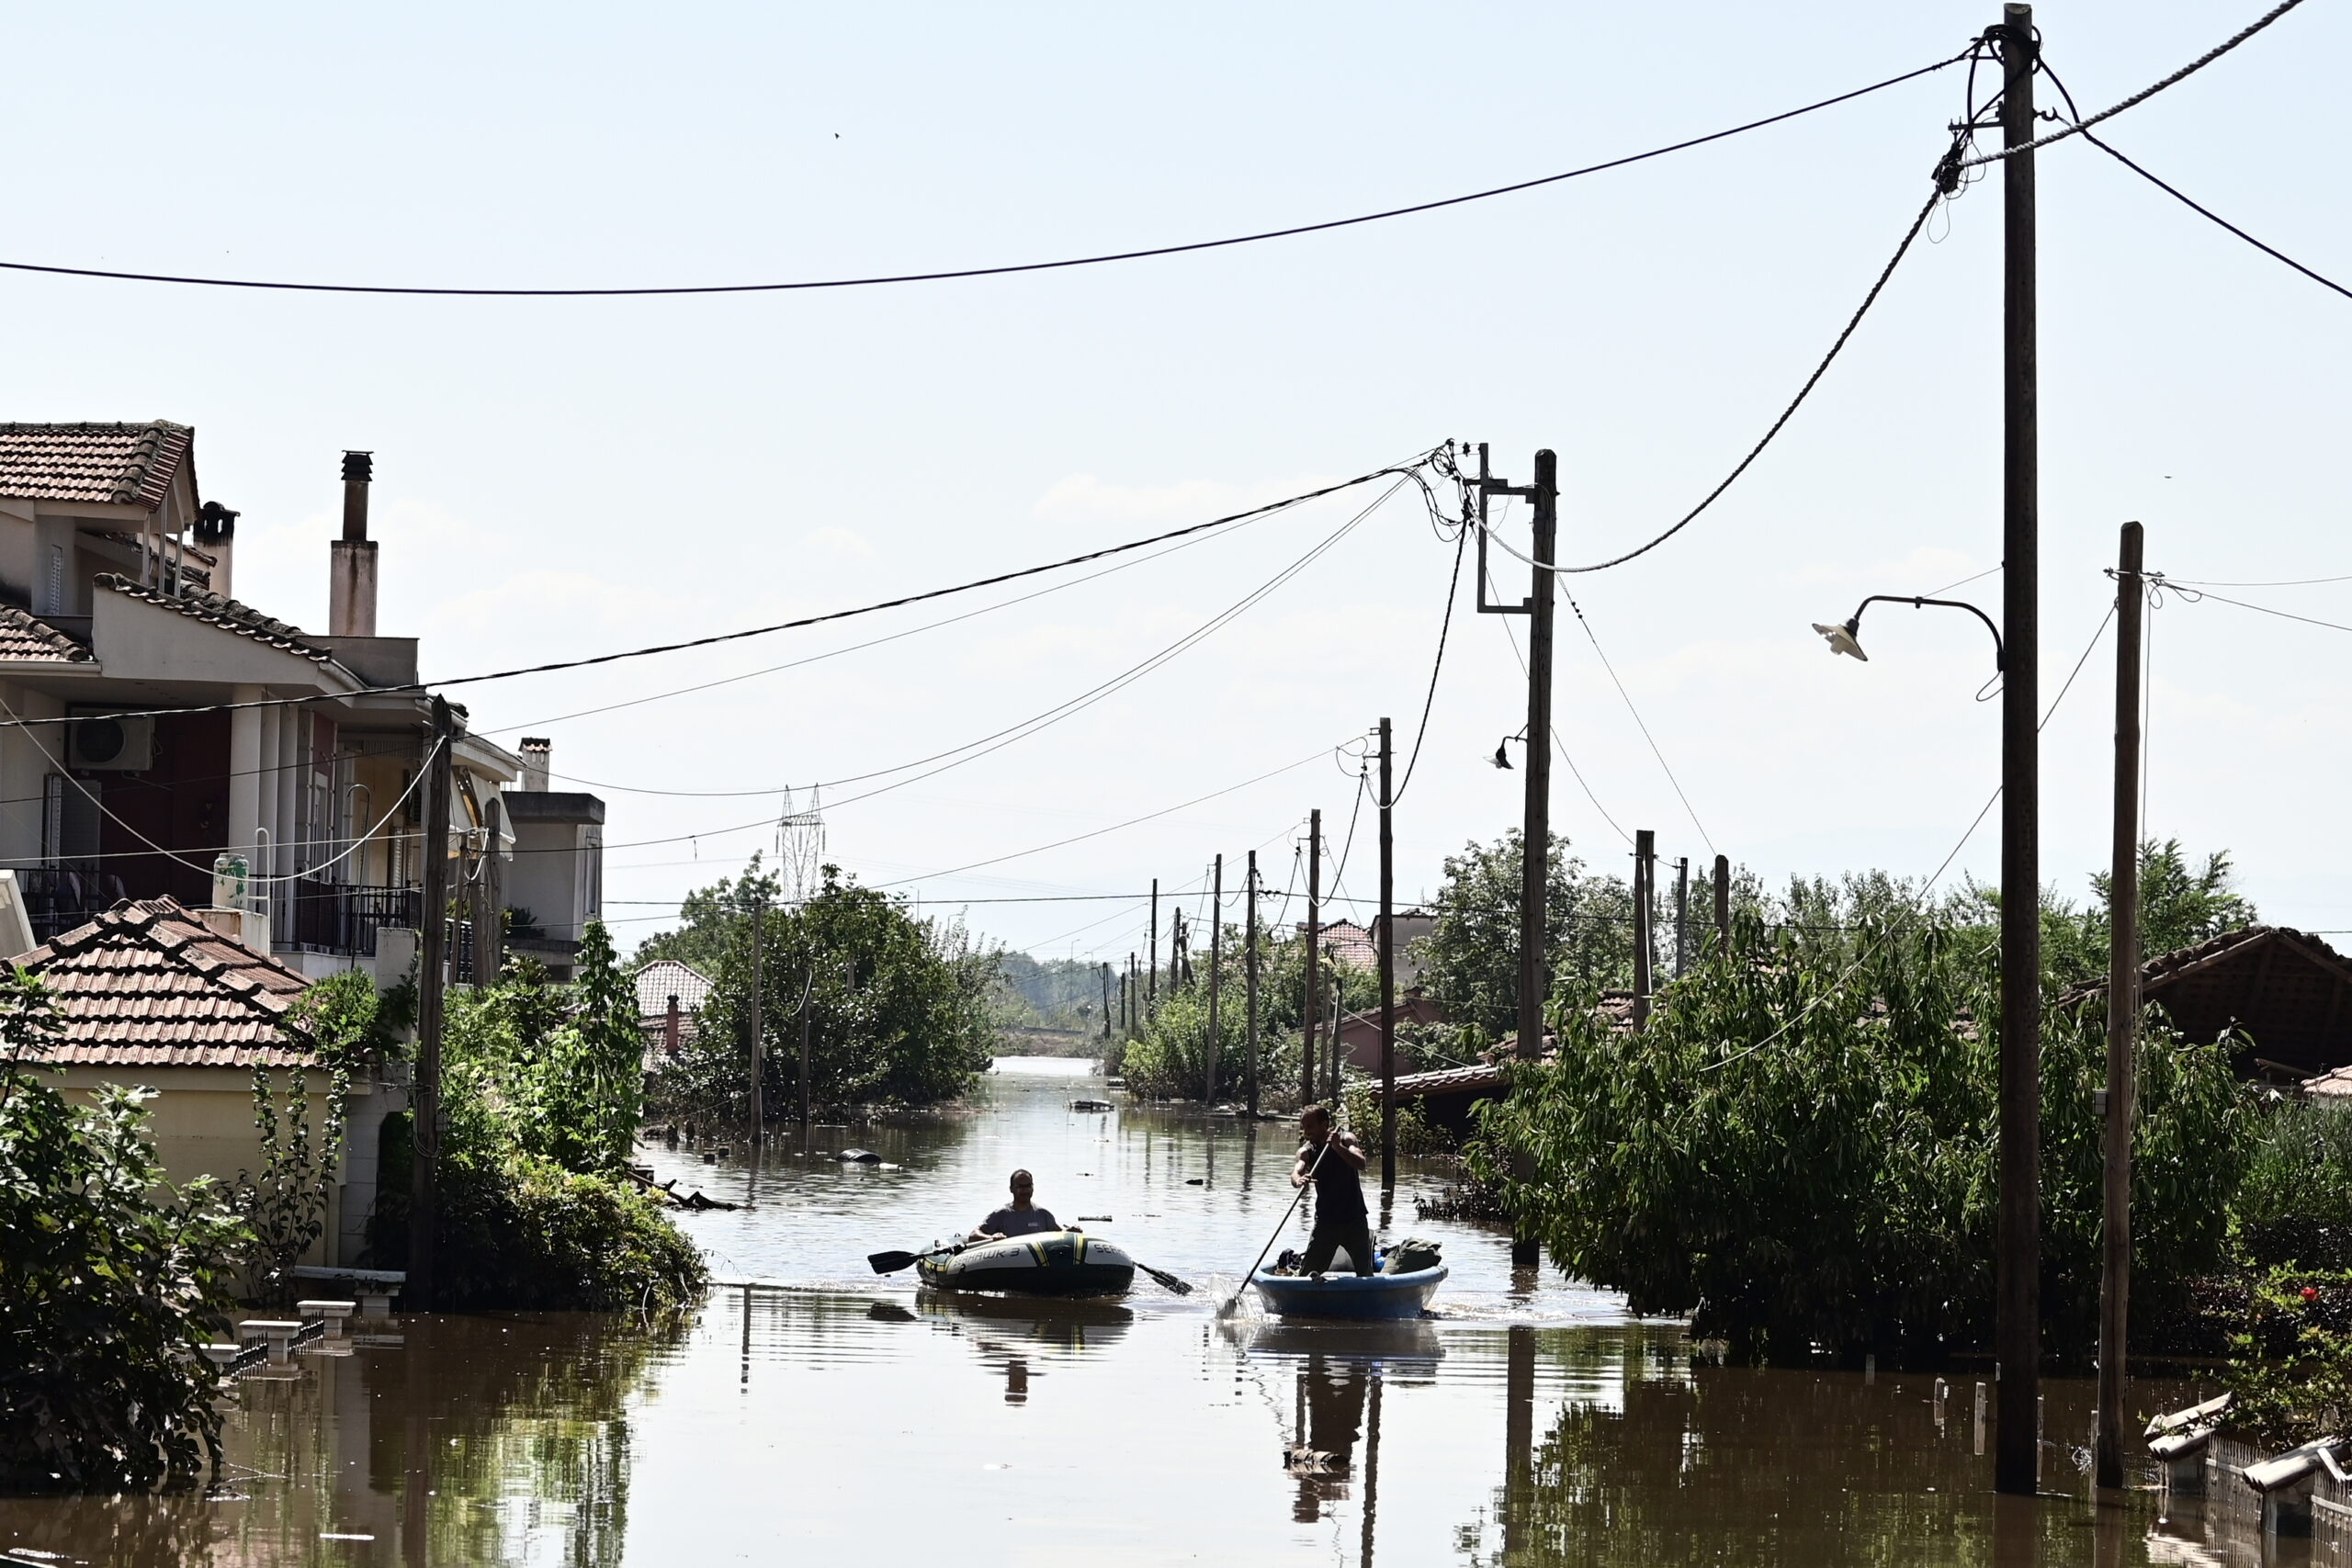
(1216, 972)
(2123, 1016)
(1250, 961)
(1722, 904)
(1151, 983)
(2017, 1460)
(1536, 832)
(1386, 952)
(432, 977)
(1645, 934)
(1314, 945)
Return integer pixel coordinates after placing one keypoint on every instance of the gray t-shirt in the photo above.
(1021, 1221)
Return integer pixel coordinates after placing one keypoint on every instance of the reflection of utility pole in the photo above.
(1250, 963)
(1519, 1438)
(1314, 936)
(433, 951)
(1386, 952)
(1371, 1449)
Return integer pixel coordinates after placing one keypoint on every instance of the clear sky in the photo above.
(563, 478)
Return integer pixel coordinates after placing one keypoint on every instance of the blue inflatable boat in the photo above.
(1359, 1298)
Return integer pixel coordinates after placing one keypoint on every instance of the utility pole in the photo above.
(1217, 955)
(489, 900)
(1331, 1056)
(1535, 833)
(2123, 1015)
(2017, 1459)
(1722, 905)
(1151, 985)
(758, 1022)
(432, 977)
(1313, 943)
(1250, 963)
(1644, 938)
(808, 992)
(1681, 915)
(1107, 1007)
(1180, 966)
(1386, 952)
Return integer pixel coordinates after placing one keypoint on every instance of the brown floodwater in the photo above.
(822, 1414)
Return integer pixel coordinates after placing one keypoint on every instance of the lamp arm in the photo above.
(2000, 650)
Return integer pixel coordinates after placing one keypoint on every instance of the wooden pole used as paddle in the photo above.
(1235, 1300)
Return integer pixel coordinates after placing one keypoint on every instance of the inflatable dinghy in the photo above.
(1051, 1263)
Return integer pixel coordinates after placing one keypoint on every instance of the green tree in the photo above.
(110, 1280)
(1470, 960)
(1170, 1058)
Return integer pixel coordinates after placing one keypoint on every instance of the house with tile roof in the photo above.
(152, 995)
(669, 994)
(160, 738)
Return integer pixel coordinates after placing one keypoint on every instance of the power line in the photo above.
(2294, 582)
(1453, 591)
(415, 687)
(2200, 595)
(1561, 745)
(986, 271)
(2207, 212)
(1668, 768)
(2082, 125)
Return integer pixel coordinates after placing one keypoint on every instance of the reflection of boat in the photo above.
(1399, 1340)
(1051, 1263)
(1352, 1296)
(1066, 1322)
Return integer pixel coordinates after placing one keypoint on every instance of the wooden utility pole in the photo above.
(2017, 1459)
(489, 900)
(1217, 968)
(1681, 915)
(1331, 1052)
(1722, 904)
(1314, 943)
(2123, 1015)
(1644, 938)
(1151, 985)
(758, 1022)
(432, 978)
(1250, 962)
(1105, 972)
(1386, 954)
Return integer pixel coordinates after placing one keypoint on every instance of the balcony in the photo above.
(342, 918)
(60, 898)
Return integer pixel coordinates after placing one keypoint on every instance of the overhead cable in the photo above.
(2207, 212)
(1453, 591)
(1664, 766)
(418, 686)
(2142, 95)
(943, 275)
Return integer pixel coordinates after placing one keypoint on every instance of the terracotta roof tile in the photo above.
(120, 465)
(149, 984)
(24, 640)
(664, 978)
(227, 613)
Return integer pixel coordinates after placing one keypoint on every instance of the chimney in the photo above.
(534, 750)
(351, 589)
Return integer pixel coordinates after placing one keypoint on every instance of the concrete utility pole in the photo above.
(1250, 963)
(1151, 984)
(489, 900)
(1386, 954)
(2017, 1458)
(1314, 941)
(1536, 832)
(759, 1024)
(1681, 915)
(432, 977)
(1645, 936)
(1722, 904)
(2123, 1015)
(1216, 966)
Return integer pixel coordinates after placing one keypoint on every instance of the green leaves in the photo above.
(109, 1279)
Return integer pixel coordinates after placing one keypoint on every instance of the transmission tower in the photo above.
(800, 847)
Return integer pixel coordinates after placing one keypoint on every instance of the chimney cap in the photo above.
(537, 743)
(360, 466)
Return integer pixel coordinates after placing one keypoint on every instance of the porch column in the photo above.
(265, 787)
(244, 769)
(291, 761)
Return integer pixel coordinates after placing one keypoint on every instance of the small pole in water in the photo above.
(1314, 933)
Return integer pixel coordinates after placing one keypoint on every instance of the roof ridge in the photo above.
(232, 615)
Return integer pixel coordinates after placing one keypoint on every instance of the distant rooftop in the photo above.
(115, 465)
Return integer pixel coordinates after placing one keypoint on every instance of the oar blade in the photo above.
(891, 1262)
(1171, 1282)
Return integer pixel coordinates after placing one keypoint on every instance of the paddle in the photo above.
(891, 1262)
(1171, 1281)
(1234, 1302)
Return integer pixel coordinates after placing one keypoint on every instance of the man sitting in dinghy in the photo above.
(1331, 1159)
(1022, 1217)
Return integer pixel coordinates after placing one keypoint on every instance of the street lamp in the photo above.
(1847, 637)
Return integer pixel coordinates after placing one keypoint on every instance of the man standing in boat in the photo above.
(1332, 1159)
(1022, 1217)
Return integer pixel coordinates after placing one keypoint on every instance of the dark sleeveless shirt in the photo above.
(1339, 1194)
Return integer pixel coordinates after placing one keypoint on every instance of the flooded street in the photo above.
(821, 1414)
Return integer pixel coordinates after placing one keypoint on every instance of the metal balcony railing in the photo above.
(343, 916)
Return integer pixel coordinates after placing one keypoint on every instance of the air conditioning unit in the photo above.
(106, 741)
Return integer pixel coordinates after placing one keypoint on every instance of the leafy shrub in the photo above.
(2295, 1205)
(109, 1280)
(2290, 1356)
(284, 1208)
